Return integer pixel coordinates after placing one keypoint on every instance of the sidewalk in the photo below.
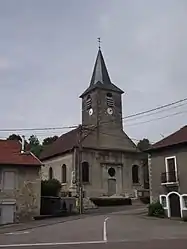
(127, 210)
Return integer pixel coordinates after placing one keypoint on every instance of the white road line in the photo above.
(53, 244)
(17, 233)
(105, 230)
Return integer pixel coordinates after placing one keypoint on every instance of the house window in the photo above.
(64, 173)
(109, 100)
(88, 102)
(184, 201)
(9, 180)
(135, 174)
(163, 201)
(50, 173)
(85, 172)
(171, 168)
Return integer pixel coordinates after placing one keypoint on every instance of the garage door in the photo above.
(7, 213)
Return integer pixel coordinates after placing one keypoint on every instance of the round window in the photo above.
(111, 172)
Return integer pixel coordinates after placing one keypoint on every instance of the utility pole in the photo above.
(81, 138)
(80, 185)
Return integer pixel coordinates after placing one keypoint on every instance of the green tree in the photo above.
(49, 140)
(50, 187)
(34, 145)
(143, 144)
(14, 137)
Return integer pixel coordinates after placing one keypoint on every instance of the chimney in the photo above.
(22, 144)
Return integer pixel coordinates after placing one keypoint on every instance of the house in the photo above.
(168, 171)
(111, 164)
(20, 183)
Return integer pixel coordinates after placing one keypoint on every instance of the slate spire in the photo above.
(100, 77)
(100, 73)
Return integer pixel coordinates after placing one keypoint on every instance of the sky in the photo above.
(48, 50)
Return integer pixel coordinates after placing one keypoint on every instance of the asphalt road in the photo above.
(151, 244)
(128, 230)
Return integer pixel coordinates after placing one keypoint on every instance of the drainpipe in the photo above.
(22, 144)
(150, 178)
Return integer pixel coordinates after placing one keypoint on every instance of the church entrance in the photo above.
(111, 187)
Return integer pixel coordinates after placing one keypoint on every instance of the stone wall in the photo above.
(56, 164)
(26, 193)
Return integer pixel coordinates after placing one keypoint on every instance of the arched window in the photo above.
(135, 174)
(50, 173)
(85, 172)
(64, 173)
(109, 100)
(88, 102)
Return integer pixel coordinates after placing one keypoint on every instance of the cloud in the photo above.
(48, 48)
(4, 64)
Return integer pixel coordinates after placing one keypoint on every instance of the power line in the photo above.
(155, 119)
(150, 114)
(39, 129)
(75, 126)
(154, 109)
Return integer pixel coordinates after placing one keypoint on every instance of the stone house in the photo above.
(167, 172)
(111, 164)
(20, 183)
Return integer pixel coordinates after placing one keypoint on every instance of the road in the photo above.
(123, 229)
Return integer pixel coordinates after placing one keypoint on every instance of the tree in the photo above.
(49, 140)
(50, 187)
(14, 137)
(143, 144)
(34, 145)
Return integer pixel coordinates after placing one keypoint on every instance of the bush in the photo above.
(145, 200)
(50, 187)
(103, 202)
(156, 210)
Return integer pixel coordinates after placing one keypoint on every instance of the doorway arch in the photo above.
(174, 204)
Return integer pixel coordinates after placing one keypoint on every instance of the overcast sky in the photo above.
(48, 49)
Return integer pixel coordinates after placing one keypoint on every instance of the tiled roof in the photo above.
(178, 137)
(10, 153)
(64, 143)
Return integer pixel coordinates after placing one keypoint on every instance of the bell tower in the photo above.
(102, 109)
(101, 101)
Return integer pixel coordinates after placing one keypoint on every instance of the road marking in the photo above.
(53, 244)
(17, 233)
(105, 230)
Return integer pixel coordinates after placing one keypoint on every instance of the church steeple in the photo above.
(100, 77)
(100, 73)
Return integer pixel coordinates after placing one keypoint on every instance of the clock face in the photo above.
(110, 111)
(90, 111)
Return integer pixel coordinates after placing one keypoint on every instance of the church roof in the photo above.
(66, 142)
(100, 77)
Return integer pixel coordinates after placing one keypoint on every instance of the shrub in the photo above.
(50, 187)
(156, 209)
(103, 202)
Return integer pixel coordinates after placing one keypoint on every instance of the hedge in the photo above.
(103, 202)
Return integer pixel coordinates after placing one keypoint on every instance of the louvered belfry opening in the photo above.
(88, 102)
(109, 100)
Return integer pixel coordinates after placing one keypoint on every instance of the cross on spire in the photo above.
(99, 42)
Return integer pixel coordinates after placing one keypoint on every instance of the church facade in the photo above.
(98, 152)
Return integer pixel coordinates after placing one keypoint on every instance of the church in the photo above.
(98, 152)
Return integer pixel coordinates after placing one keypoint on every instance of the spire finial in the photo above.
(99, 42)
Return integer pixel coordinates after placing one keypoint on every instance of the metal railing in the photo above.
(169, 177)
